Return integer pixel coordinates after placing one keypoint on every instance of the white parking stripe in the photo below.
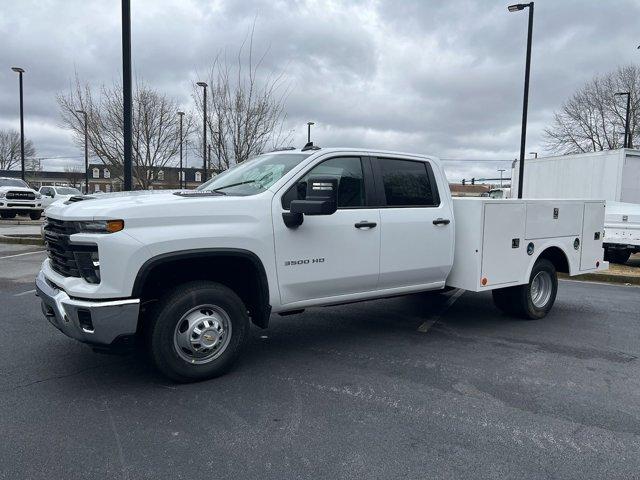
(424, 328)
(25, 293)
(21, 254)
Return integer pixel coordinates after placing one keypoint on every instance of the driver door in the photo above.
(329, 255)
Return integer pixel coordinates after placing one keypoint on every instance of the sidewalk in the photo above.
(21, 231)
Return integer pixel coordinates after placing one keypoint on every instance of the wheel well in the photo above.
(241, 271)
(556, 256)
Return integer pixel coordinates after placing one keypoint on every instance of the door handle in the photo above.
(441, 221)
(365, 224)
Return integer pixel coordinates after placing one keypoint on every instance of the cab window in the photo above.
(348, 171)
(408, 183)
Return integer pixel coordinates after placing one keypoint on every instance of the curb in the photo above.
(22, 239)
(603, 277)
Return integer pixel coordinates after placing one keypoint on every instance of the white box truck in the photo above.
(612, 175)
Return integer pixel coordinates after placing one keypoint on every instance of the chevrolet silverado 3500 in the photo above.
(188, 271)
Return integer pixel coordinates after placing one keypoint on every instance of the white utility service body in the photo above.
(610, 175)
(290, 230)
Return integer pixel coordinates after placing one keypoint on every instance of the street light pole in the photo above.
(86, 152)
(180, 114)
(309, 131)
(20, 71)
(204, 130)
(627, 133)
(127, 94)
(525, 102)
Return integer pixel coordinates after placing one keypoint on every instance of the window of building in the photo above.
(348, 171)
(96, 188)
(107, 173)
(107, 188)
(182, 175)
(408, 183)
(161, 175)
(198, 177)
(96, 173)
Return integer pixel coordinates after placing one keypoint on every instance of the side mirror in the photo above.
(321, 199)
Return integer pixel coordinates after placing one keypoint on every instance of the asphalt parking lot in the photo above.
(426, 386)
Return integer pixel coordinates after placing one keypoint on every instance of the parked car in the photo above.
(52, 194)
(17, 198)
(187, 271)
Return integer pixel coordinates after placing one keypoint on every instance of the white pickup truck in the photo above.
(188, 271)
(17, 198)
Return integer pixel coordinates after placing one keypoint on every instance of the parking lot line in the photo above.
(21, 254)
(425, 326)
(25, 293)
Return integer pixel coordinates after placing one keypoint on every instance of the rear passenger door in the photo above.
(416, 227)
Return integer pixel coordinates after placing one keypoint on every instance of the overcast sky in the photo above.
(436, 77)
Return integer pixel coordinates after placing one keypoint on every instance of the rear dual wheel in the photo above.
(533, 300)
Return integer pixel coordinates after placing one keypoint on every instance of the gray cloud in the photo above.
(424, 76)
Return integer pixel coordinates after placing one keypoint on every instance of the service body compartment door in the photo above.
(504, 257)
(591, 248)
(554, 219)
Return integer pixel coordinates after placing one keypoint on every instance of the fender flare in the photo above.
(260, 318)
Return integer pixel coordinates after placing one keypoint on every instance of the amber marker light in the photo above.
(114, 225)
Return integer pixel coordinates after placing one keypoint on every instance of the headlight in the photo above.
(3, 194)
(100, 226)
(38, 195)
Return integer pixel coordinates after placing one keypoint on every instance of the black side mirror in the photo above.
(321, 199)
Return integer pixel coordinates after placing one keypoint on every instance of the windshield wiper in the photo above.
(233, 185)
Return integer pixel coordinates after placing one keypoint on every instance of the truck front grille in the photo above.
(13, 195)
(68, 259)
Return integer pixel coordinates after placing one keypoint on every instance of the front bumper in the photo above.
(20, 205)
(96, 322)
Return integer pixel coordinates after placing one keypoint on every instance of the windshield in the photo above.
(68, 191)
(255, 175)
(12, 182)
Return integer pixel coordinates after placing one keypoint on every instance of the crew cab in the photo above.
(54, 193)
(17, 198)
(187, 271)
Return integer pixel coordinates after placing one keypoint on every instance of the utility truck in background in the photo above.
(612, 175)
(18, 198)
(187, 272)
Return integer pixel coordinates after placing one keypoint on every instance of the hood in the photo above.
(17, 189)
(136, 204)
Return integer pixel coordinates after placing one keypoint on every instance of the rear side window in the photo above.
(348, 171)
(408, 183)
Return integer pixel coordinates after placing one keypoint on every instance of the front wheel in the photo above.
(8, 215)
(35, 215)
(533, 300)
(198, 331)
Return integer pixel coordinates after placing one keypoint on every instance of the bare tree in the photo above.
(593, 118)
(245, 108)
(10, 149)
(156, 136)
(74, 176)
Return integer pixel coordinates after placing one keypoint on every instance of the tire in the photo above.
(35, 215)
(197, 312)
(6, 215)
(534, 300)
(617, 255)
